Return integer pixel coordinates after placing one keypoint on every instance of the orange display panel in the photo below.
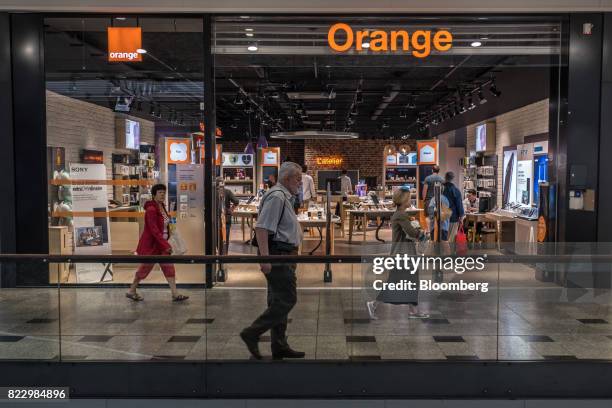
(428, 152)
(270, 156)
(178, 151)
(124, 43)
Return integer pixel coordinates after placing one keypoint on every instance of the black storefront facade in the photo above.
(580, 95)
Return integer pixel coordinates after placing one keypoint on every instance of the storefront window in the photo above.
(388, 99)
(124, 112)
(380, 111)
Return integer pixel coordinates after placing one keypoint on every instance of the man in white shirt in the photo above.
(471, 202)
(346, 186)
(308, 187)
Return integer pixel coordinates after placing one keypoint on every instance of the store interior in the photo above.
(480, 110)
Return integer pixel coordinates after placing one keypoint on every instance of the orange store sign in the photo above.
(420, 43)
(329, 160)
(124, 43)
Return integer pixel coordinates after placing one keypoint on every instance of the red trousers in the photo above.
(144, 270)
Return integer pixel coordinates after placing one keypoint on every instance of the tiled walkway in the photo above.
(526, 320)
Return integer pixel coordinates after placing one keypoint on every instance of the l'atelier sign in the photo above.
(329, 160)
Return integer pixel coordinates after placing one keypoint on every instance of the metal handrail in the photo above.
(247, 259)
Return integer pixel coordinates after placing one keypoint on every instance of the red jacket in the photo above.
(152, 240)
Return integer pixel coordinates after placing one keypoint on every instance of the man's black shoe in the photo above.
(287, 353)
(251, 343)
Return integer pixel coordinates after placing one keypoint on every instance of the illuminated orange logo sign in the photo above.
(124, 43)
(420, 43)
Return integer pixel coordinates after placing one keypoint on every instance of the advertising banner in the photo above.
(524, 178)
(190, 208)
(90, 219)
(509, 177)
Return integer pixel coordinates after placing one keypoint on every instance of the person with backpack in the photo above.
(445, 215)
(452, 193)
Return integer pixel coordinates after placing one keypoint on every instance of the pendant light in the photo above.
(390, 150)
(249, 149)
(261, 141)
(404, 149)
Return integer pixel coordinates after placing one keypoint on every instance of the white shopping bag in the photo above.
(177, 243)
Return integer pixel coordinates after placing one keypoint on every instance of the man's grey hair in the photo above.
(287, 169)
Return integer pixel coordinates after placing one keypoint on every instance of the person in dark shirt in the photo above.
(428, 192)
(230, 202)
(452, 193)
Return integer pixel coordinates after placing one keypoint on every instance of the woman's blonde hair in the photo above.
(399, 196)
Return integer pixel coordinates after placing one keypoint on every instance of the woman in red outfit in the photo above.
(154, 241)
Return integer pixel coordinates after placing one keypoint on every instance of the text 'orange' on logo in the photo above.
(124, 43)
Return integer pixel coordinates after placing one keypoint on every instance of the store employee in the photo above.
(346, 187)
(471, 202)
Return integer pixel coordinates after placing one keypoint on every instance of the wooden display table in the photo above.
(373, 213)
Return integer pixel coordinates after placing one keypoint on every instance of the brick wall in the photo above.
(363, 155)
(77, 125)
(511, 129)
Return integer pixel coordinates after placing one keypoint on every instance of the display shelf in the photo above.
(400, 181)
(245, 181)
(238, 172)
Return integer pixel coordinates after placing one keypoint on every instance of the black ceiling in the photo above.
(394, 90)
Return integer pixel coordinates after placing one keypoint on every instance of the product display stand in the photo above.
(238, 173)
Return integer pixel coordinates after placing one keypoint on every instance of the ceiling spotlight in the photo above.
(481, 97)
(411, 103)
(234, 125)
(476, 44)
(238, 99)
(494, 91)
(359, 97)
(249, 34)
(471, 104)
(141, 51)
(252, 47)
(365, 45)
(120, 18)
(385, 124)
(248, 29)
(403, 114)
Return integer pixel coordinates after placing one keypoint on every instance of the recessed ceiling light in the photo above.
(365, 45)
(248, 29)
(141, 51)
(484, 38)
(249, 34)
(120, 18)
(476, 44)
(252, 47)
(244, 17)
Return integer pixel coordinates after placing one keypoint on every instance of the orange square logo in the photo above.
(124, 43)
